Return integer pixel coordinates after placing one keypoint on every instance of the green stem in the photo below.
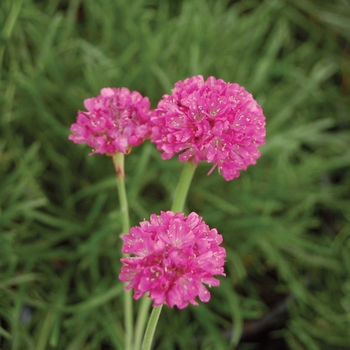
(118, 161)
(151, 327)
(178, 206)
(182, 187)
(141, 320)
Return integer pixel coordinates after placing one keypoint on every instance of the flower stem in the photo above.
(178, 206)
(182, 187)
(118, 161)
(151, 327)
(141, 320)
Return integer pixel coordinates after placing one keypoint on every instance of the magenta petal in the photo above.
(203, 294)
(115, 121)
(174, 256)
(210, 121)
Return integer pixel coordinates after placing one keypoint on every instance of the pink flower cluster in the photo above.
(115, 121)
(210, 121)
(174, 256)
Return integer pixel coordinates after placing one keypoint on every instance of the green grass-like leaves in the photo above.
(285, 221)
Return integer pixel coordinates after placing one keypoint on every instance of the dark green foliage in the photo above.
(285, 222)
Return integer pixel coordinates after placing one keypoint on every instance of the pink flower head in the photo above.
(174, 256)
(210, 121)
(115, 121)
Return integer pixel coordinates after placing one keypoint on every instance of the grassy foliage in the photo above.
(285, 221)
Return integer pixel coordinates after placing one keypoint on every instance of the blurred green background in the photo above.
(285, 221)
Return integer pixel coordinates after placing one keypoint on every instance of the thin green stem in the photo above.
(118, 161)
(141, 321)
(178, 206)
(182, 187)
(151, 327)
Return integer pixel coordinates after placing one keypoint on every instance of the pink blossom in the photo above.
(115, 121)
(211, 121)
(174, 257)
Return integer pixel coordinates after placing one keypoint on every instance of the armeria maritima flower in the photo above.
(210, 121)
(174, 256)
(115, 121)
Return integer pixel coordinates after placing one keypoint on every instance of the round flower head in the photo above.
(115, 121)
(174, 256)
(210, 121)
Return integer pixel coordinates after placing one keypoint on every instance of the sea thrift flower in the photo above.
(210, 121)
(174, 257)
(115, 121)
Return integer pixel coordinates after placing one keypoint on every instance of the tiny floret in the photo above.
(115, 121)
(173, 258)
(210, 121)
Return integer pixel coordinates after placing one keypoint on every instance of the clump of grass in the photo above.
(285, 221)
